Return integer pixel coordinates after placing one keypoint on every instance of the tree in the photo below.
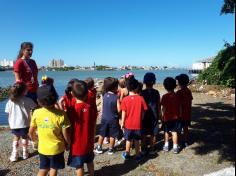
(228, 7)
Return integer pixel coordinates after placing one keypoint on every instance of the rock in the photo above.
(211, 92)
(232, 95)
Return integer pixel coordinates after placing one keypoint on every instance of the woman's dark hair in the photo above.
(110, 84)
(90, 82)
(23, 46)
(47, 81)
(17, 90)
(69, 86)
(182, 79)
(169, 84)
(133, 85)
(80, 90)
(47, 95)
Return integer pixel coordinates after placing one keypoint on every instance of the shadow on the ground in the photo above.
(4, 172)
(214, 129)
(118, 169)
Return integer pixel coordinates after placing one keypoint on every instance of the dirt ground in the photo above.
(212, 148)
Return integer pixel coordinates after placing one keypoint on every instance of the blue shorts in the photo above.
(172, 126)
(52, 161)
(79, 161)
(110, 128)
(185, 123)
(132, 134)
(20, 132)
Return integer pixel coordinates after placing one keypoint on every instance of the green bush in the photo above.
(222, 69)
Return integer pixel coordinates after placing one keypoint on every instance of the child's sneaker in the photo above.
(166, 148)
(111, 151)
(98, 150)
(125, 155)
(176, 150)
(14, 156)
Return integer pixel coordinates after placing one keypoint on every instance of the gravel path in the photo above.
(212, 148)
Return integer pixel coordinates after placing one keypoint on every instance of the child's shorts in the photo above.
(172, 126)
(185, 123)
(150, 128)
(20, 132)
(110, 128)
(52, 161)
(79, 161)
(132, 134)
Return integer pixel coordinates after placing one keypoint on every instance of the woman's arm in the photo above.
(17, 76)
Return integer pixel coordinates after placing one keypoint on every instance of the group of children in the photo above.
(128, 112)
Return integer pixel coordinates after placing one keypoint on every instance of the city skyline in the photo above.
(146, 32)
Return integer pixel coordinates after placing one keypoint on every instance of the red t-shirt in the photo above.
(134, 106)
(185, 99)
(68, 102)
(170, 103)
(91, 100)
(27, 70)
(83, 126)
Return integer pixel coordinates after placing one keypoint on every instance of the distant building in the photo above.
(7, 63)
(201, 65)
(56, 63)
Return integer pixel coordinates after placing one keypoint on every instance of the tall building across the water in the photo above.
(56, 63)
(7, 63)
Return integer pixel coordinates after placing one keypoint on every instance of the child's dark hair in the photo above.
(133, 85)
(23, 46)
(169, 84)
(69, 86)
(80, 90)
(110, 84)
(47, 95)
(47, 81)
(182, 79)
(17, 90)
(140, 87)
(90, 83)
(149, 79)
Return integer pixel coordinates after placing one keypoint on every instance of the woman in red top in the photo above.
(26, 70)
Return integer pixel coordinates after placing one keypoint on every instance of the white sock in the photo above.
(175, 146)
(166, 144)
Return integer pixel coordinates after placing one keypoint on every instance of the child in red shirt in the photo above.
(170, 114)
(83, 124)
(133, 108)
(185, 97)
(92, 95)
(67, 100)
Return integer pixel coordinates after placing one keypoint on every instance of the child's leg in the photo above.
(80, 171)
(15, 145)
(43, 172)
(112, 143)
(166, 138)
(25, 146)
(152, 142)
(137, 147)
(186, 133)
(100, 140)
(175, 139)
(53, 172)
(128, 146)
(90, 167)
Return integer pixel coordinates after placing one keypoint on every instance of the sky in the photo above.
(115, 32)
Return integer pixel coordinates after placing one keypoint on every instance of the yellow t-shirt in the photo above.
(49, 124)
